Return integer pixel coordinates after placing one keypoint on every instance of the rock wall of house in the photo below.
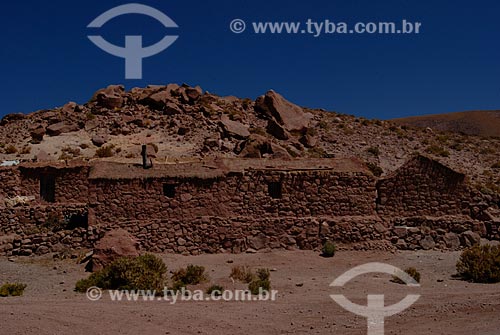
(423, 187)
(39, 229)
(303, 195)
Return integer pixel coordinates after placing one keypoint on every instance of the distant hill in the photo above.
(481, 123)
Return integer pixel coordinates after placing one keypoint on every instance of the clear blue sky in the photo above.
(452, 65)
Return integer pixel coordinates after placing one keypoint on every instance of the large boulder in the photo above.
(110, 97)
(290, 116)
(257, 146)
(37, 134)
(113, 245)
(59, 128)
(234, 128)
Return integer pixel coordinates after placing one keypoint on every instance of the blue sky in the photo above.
(452, 65)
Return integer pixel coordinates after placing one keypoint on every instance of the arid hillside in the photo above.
(180, 122)
(480, 123)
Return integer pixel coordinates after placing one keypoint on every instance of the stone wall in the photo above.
(423, 205)
(303, 195)
(423, 187)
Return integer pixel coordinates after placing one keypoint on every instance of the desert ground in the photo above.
(303, 306)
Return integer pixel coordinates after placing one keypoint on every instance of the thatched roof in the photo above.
(219, 167)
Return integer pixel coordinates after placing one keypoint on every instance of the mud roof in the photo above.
(219, 167)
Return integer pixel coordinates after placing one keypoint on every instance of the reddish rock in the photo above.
(99, 140)
(292, 117)
(110, 97)
(234, 128)
(115, 244)
(61, 128)
(37, 134)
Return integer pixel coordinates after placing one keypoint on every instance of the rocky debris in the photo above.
(427, 243)
(110, 97)
(61, 128)
(99, 140)
(234, 128)
(70, 107)
(12, 118)
(113, 245)
(290, 116)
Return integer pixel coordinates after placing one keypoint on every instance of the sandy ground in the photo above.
(303, 305)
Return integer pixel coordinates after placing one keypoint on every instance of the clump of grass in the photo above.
(191, 275)
(216, 290)
(375, 151)
(411, 271)
(480, 264)
(328, 249)
(438, 151)
(25, 150)
(12, 289)
(145, 272)
(375, 169)
(242, 273)
(10, 149)
(105, 151)
(261, 283)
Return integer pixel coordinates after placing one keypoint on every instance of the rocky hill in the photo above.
(180, 122)
(480, 123)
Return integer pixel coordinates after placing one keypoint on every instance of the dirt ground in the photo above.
(303, 304)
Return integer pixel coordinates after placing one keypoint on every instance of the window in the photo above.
(169, 190)
(274, 189)
(48, 188)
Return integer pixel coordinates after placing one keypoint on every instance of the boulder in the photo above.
(427, 243)
(59, 128)
(309, 141)
(99, 140)
(290, 116)
(194, 93)
(470, 238)
(110, 97)
(452, 241)
(234, 128)
(275, 129)
(37, 134)
(43, 156)
(113, 245)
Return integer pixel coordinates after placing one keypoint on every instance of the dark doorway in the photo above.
(274, 190)
(48, 187)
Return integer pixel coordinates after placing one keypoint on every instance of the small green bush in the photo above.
(12, 289)
(215, 290)
(242, 273)
(191, 275)
(411, 271)
(480, 264)
(328, 249)
(145, 272)
(261, 283)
